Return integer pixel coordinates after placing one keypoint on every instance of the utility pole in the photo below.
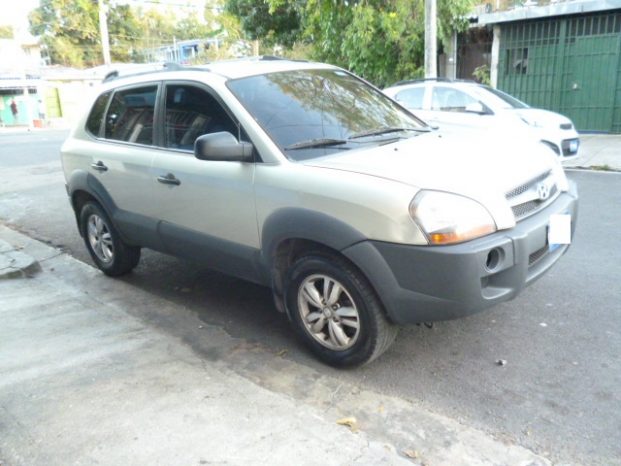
(431, 41)
(103, 32)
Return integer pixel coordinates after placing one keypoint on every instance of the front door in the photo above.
(206, 208)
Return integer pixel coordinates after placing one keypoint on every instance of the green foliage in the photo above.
(381, 40)
(274, 23)
(6, 32)
(482, 74)
(70, 30)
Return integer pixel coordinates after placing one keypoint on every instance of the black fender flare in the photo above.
(81, 180)
(299, 223)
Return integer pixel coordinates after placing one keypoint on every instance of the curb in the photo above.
(16, 264)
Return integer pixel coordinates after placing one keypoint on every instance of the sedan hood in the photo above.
(543, 118)
(475, 166)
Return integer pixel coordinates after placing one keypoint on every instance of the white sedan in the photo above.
(467, 104)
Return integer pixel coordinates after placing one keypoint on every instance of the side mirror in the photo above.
(475, 107)
(222, 146)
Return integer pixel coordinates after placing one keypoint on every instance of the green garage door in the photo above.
(570, 65)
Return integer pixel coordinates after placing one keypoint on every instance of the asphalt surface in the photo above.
(558, 393)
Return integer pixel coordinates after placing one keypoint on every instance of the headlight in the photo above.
(448, 218)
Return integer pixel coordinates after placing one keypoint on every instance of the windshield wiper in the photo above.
(386, 130)
(316, 143)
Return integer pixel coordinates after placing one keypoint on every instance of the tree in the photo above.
(69, 29)
(274, 23)
(381, 40)
(125, 31)
(6, 32)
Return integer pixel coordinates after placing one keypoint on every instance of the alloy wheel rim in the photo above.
(100, 239)
(328, 312)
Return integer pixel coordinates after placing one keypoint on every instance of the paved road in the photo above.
(558, 394)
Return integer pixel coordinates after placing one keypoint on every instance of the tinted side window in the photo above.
(130, 115)
(95, 118)
(190, 113)
(450, 100)
(411, 98)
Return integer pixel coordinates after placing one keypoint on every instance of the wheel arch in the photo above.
(83, 187)
(290, 233)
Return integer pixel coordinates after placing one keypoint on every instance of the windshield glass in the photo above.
(498, 99)
(311, 113)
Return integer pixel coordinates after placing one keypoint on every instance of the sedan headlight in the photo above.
(448, 218)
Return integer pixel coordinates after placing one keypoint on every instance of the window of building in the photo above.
(190, 113)
(517, 61)
(130, 115)
(95, 118)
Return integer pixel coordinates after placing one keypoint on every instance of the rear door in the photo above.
(121, 158)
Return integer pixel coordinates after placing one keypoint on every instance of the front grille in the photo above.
(522, 210)
(526, 186)
(533, 195)
(537, 255)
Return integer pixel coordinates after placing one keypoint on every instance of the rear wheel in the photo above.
(336, 312)
(103, 242)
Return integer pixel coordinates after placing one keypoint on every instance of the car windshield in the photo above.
(498, 99)
(312, 113)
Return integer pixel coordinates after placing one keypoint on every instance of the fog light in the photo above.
(494, 258)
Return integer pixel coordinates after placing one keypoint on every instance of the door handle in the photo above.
(169, 179)
(99, 166)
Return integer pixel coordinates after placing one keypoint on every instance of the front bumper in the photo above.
(432, 283)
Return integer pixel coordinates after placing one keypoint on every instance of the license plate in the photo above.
(559, 230)
(573, 146)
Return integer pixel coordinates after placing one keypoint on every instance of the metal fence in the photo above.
(571, 65)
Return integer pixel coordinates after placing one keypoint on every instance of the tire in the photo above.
(335, 311)
(103, 242)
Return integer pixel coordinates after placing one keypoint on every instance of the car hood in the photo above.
(543, 118)
(471, 165)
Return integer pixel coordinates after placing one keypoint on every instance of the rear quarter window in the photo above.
(95, 118)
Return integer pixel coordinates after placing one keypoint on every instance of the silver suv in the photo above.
(304, 178)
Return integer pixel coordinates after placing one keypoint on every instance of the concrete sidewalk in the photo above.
(86, 377)
(598, 151)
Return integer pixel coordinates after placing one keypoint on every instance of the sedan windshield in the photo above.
(311, 113)
(498, 99)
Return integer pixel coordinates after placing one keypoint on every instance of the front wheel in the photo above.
(109, 252)
(336, 312)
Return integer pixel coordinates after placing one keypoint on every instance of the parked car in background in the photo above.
(467, 104)
(303, 178)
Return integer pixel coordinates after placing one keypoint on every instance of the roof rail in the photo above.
(149, 68)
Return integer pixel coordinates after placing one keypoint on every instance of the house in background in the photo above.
(564, 57)
(20, 60)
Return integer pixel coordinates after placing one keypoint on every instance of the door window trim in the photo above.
(101, 137)
(161, 103)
